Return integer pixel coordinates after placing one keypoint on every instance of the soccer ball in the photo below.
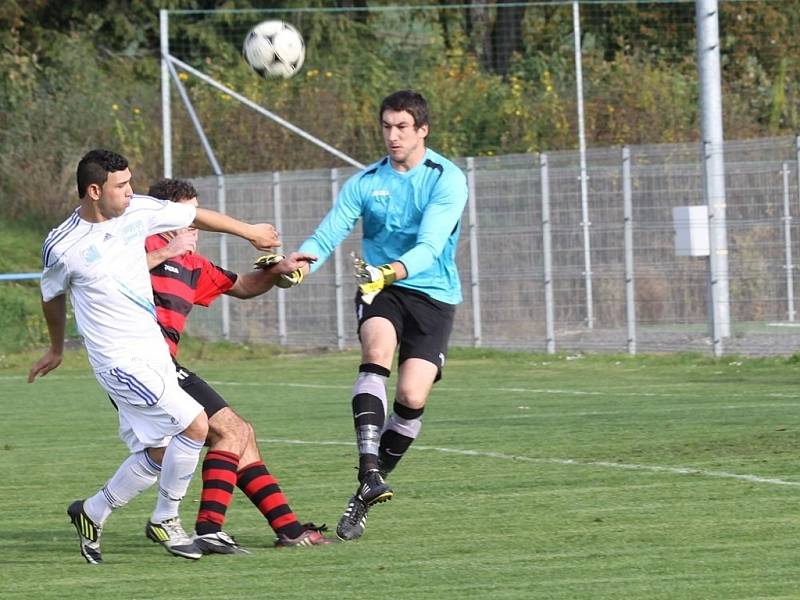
(274, 49)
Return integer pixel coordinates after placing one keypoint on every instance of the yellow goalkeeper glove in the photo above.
(290, 280)
(372, 280)
(268, 260)
(284, 281)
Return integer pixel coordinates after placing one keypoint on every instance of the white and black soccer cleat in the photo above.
(171, 535)
(88, 533)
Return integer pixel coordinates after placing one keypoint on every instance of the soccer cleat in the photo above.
(354, 519)
(88, 533)
(311, 536)
(373, 488)
(218, 543)
(171, 535)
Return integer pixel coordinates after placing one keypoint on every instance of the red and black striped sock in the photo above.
(263, 490)
(219, 479)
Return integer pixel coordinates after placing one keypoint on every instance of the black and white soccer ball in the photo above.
(274, 49)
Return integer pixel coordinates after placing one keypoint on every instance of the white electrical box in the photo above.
(691, 230)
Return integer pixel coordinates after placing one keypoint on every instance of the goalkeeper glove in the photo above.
(268, 260)
(372, 280)
(290, 280)
(284, 281)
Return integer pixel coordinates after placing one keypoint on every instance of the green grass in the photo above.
(534, 477)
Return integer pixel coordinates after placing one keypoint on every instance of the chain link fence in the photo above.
(645, 297)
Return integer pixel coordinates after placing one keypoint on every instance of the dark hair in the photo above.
(411, 102)
(172, 189)
(95, 167)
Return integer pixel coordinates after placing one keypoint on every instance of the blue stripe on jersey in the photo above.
(136, 298)
(134, 385)
(58, 234)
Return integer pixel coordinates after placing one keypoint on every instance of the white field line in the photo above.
(455, 390)
(565, 461)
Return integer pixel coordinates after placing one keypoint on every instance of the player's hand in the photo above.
(371, 280)
(181, 242)
(291, 269)
(293, 262)
(264, 236)
(44, 365)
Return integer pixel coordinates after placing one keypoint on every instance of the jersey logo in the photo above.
(171, 269)
(133, 231)
(380, 194)
(90, 254)
(107, 237)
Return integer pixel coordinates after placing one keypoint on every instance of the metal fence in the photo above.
(521, 255)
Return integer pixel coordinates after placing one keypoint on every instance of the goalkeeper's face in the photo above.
(405, 143)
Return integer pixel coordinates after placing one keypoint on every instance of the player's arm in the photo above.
(262, 235)
(180, 243)
(262, 280)
(55, 315)
(336, 225)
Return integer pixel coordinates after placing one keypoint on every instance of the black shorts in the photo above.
(198, 389)
(423, 325)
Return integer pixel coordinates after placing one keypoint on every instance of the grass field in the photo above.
(534, 477)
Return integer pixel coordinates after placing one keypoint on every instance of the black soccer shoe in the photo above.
(88, 533)
(218, 542)
(373, 488)
(354, 520)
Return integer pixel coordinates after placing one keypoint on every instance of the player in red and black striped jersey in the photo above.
(182, 279)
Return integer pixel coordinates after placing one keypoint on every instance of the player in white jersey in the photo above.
(98, 256)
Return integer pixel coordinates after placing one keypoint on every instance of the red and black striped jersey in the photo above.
(181, 282)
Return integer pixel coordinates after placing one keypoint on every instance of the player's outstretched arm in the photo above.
(55, 314)
(269, 269)
(262, 235)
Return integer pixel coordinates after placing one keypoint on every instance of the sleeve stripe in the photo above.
(57, 235)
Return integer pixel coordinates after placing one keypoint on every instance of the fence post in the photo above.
(787, 242)
(797, 164)
(584, 178)
(337, 266)
(550, 329)
(630, 288)
(475, 282)
(709, 77)
(276, 203)
(223, 259)
(166, 107)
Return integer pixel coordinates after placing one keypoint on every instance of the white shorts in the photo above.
(152, 406)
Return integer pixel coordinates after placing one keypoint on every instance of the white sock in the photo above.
(133, 476)
(177, 469)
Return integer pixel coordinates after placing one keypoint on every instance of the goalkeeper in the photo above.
(410, 203)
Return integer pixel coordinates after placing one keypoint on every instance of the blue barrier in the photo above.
(17, 276)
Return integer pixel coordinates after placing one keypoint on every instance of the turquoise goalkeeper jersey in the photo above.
(412, 217)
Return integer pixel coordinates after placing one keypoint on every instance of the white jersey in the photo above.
(104, 267)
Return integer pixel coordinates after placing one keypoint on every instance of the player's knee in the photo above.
(229, 427)
(156, 454)
(198, 430)
(411, 397)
